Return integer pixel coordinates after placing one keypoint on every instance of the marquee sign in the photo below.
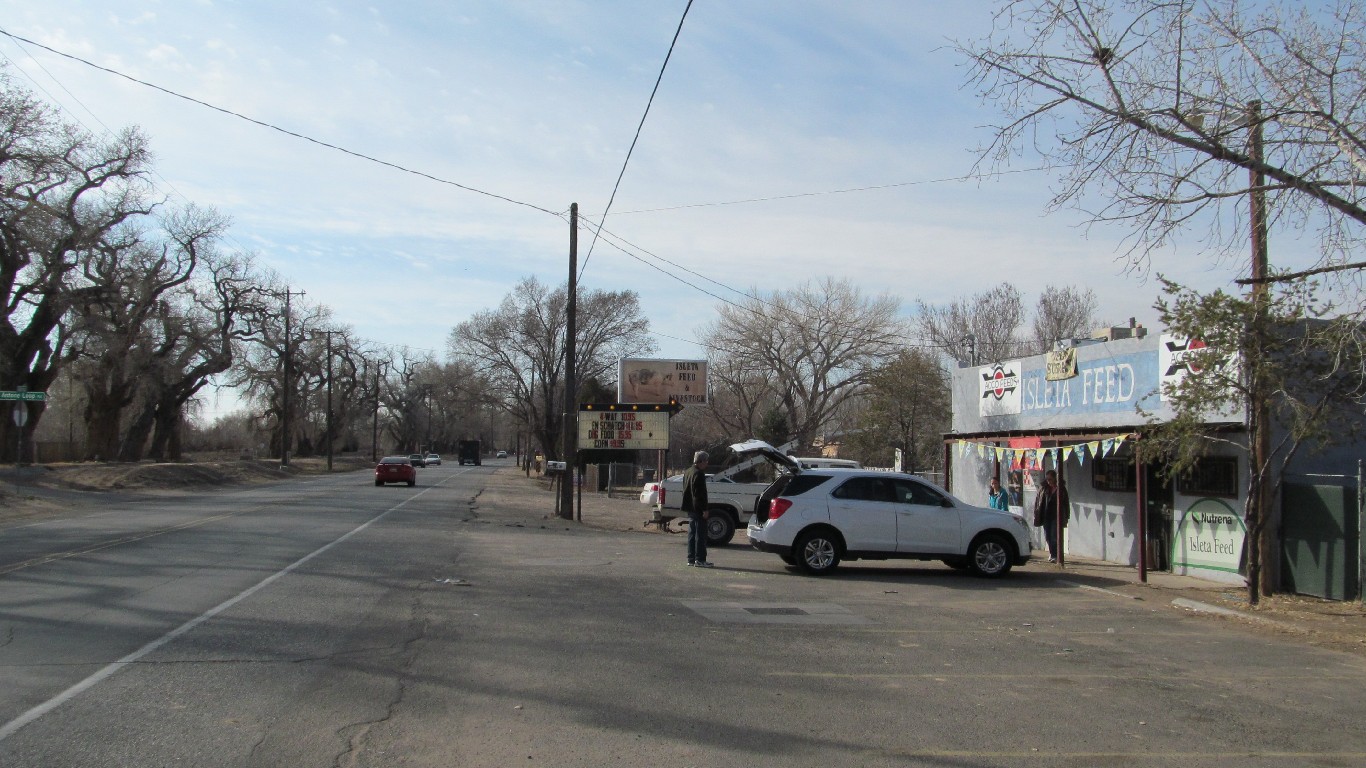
(621, 426)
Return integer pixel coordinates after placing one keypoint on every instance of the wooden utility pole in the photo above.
(1262, 562)
(569, 424)
(374, 432)
(284, 396)
(329, 399)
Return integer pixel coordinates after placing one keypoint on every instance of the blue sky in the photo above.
(538, 101)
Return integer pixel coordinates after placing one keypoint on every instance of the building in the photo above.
(1082, 409)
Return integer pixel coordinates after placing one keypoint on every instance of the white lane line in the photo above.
(13, 726)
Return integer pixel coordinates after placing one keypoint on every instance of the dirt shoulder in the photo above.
(37, 492)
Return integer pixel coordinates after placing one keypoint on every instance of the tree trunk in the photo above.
(135, 438)
(102, 425)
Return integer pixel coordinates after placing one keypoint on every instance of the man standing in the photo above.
(695, 504)
(1052, 509)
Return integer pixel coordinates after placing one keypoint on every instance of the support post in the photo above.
(569, 424)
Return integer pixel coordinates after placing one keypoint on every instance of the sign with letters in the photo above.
(658, 381)
(623, 427)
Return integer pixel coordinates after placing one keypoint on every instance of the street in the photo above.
(330, 622)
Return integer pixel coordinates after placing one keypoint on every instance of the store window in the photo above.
(1212, 476)
(1113, 475)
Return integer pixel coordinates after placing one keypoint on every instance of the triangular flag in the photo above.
(1120, 441)
(981, 450)
(1067, 453)
(1108, 446)
(1000, 453)
(1094, 445)
(1081, 454)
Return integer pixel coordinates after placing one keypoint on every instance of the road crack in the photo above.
(357, 734)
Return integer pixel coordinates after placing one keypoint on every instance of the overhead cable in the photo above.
(636, 138)
(285, 131)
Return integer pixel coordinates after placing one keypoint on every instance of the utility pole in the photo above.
(1259, 416)
(374, 432)
(329, 399)
(284, 397)
(570, 427)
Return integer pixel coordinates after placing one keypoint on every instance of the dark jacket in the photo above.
(1045, 505)
(694, 490)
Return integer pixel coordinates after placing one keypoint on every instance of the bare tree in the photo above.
(1063, 313)
(62, 193)
(1169, 112)
(519, 347)
(981, 328)
(816, 345)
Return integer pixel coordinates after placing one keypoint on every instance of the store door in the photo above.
(1158, 500)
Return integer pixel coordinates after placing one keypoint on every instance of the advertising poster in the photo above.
(640, 380)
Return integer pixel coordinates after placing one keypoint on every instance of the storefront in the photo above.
(1082, 410)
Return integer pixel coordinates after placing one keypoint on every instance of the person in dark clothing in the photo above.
(695, 504)
(1052, 496)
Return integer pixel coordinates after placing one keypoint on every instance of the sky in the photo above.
(783, 104)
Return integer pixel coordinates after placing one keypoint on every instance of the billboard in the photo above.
(640, 380)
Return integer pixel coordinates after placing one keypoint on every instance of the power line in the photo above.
(870, 188)
(285, 131)
(910, 341)
(636, 138)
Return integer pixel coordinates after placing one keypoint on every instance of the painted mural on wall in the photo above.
(1209, 536)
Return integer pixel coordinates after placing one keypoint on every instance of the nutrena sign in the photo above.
(1209, 537)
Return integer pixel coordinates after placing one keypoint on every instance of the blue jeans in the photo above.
(697, 538)
(1050, 535)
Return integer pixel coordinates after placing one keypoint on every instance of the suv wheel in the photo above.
(818, 552)
(989, 555)
(720, 528)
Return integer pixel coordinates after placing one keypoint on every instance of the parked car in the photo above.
(502, 454)
(417, 460)
(433, 459)
(816, 518)
(395, 469)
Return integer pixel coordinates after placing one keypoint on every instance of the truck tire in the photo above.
(720, 527)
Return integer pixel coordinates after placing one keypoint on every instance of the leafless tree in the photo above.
(519, 348)
(1166, 113)
(128, 323)
(62, 193)
(1064, 312)
(981, 328)
(814, 345)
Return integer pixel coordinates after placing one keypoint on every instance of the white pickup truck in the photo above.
(731, 503)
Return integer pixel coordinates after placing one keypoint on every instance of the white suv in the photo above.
(816, 518)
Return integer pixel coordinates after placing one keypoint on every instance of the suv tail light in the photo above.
(777, 507)
(660, 489)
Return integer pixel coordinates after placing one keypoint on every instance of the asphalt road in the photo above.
(330, 622)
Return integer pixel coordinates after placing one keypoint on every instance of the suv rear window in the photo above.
(803, 483)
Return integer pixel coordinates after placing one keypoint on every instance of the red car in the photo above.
(395, 469)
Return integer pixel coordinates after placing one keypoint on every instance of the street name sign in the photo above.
(33, 396)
